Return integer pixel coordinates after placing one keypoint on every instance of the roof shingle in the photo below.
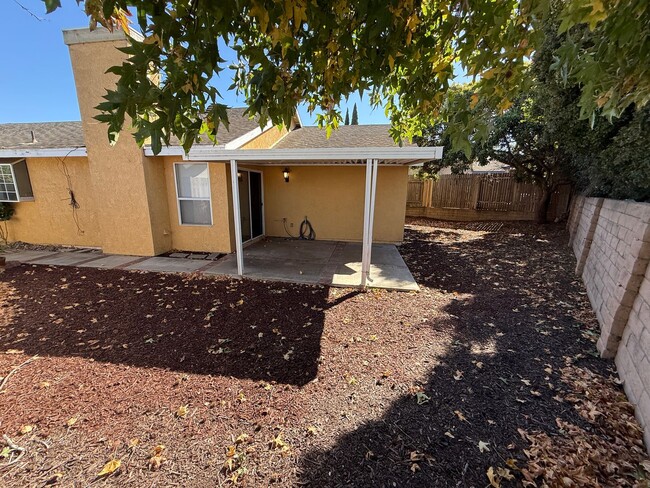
(47, 135)
(344, 136)
(70, 134)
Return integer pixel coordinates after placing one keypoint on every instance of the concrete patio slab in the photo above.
(324, 262)
(381, 276)
(298, 250)
(110, 261)
(67, 259)
(381, 254)
(25, 256)
(168, 265)
(292, 271)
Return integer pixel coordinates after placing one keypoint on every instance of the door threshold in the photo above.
(253, 240)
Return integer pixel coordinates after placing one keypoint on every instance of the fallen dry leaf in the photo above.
(495, 482)
(182, 411)
(460, 415)
(505, 473)
(155, 462)
(483, 446)
(26, 429)
(422, 398)
(110, 467)
(278, 443)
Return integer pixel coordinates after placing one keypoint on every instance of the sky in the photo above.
(37, 83)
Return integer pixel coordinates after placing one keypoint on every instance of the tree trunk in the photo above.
(543, 204)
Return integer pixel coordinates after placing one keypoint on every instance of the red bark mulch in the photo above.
(259, 383)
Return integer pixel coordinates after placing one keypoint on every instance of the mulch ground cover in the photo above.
(487, 376)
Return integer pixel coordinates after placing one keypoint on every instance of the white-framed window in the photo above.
(193, 193)
(15, 185)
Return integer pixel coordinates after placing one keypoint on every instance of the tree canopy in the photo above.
(403, 52)
(542, 138)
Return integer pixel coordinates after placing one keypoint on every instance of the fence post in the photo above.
(475, 190)
(426, 193)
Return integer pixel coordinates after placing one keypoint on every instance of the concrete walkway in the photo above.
(313, 262)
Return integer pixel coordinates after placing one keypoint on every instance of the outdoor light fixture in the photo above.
(285, 173)
(239, 175)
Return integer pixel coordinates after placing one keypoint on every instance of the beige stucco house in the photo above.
(70, 187)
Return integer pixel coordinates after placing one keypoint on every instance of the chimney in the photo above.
(125, 198)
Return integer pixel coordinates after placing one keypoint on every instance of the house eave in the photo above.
(172, 151)
(404, 156)
(51, 152)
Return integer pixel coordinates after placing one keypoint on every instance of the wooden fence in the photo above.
(481, 197)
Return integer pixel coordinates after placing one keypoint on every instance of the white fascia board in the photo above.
(249, 136)
(53, 152)
(317, 154)
(298, 118)
(173, 151)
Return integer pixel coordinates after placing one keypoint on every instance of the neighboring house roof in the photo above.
(70, 134)
(344, 136)
(46, 134)
(491, 167)
(477, 169)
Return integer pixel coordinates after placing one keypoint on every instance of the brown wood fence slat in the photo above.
(488, 193)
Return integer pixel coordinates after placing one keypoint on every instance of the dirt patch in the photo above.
(267, 383)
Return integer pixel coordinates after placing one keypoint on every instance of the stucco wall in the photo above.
(266, 139)
(124, 187)
(49, 219)
(617, 278)
(332, 198)
(214, 238)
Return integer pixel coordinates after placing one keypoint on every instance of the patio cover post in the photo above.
(239, 247)
(368, 217)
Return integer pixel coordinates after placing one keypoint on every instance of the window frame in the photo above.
(192, 199)
(15, 184)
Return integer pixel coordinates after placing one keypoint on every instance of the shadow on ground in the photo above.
(516, 315)
(244, 329)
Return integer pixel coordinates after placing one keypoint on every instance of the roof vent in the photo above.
(34, 141)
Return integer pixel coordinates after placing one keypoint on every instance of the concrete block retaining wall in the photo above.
(611, 242)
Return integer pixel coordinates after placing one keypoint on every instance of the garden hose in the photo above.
(307, 231)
